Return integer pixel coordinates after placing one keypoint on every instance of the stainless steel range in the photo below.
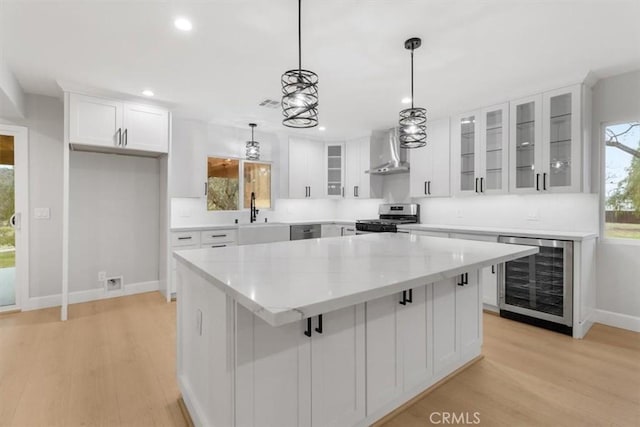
(391, 215)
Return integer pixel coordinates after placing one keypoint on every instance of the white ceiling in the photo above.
(474, 52)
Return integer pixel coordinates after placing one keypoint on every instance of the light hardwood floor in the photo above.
(113, 363)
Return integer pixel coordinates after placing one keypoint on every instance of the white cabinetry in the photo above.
(489, 279)
(480, 151)
(358, 184)
(330, 230)
(115, 126)
(306, 169)
(349, 230)
(546, 152)
(429, 172)
(297, 385)
(334, 162)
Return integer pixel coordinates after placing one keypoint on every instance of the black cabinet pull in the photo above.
(184, 238)
(125, 137)
(206, 188)
(537, 182)
(410, 299)
(404, 298)
(218, 246)
(342, 191)
(218, 235)
(544, 181)
(119, 133)
(464, 279)
(309, 191)
(319, 328)
(308, 331)
(425, 188)
(476, 185)
(429, 187)
(482, 184)
(493, 269)
(357, 191)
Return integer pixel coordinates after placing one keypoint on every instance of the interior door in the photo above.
(14, 219)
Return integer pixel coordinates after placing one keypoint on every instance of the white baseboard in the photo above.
(618, 320)
(76, 297)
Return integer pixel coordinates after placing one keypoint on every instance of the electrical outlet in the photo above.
(533, 215)
(102, 276)
(113, 283)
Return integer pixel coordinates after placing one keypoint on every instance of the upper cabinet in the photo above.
(429, 172)
(335, 162)
(306, 169)
(108, 125)
(480, 151)
(358, 183)
(546, 142)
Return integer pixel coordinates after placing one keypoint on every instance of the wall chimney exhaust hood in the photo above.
(386, 155)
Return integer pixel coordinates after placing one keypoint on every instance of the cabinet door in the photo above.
(415, 329)
(446, 346)
(490, 287)
(94, 121)
(271, 387)
(334, 161)
(438, 133)
(338, 369)
(421, 161)
(147, 128)
(298, 184)
(469, 315)
(349, 231)
(188, 158)
(364, 187)
(494, 152)
(353, 168)
(525, 148)
(561, 166)
(330, 230)
(316, 175)
(464, 153)
(384, 367)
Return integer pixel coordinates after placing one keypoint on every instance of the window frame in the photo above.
(602, 187)
(259, 162)
(241, 162)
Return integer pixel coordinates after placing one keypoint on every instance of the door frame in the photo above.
(20, 136)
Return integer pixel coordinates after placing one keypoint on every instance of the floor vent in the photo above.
(113, 284)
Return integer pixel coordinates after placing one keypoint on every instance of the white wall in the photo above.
(114, 219)
(44, 118)
(616, 99)
(567, 212)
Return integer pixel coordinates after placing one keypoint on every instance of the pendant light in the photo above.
(300, 91)
(253, 146)
(413, 121)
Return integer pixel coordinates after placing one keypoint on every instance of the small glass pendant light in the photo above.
(300, 91)
(253, 146)
(413, 121)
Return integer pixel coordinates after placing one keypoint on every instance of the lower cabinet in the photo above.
(285, 378)
(331, 230)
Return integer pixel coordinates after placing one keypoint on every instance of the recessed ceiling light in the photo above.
(147, 92)
(183, 24)
(406, 100)
(322, 128)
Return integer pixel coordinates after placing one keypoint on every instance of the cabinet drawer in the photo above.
(185, 238)
(218, 236)
(218, 245)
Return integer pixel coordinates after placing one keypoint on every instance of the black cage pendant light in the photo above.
(253, 146)
(300, 91)
(413, 121)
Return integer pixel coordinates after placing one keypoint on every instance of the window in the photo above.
(223, 182)
(257, 180)
(622, 181)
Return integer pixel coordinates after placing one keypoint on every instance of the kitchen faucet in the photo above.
(254, 211)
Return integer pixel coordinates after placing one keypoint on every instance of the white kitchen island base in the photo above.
(326, 332)
(234, 369)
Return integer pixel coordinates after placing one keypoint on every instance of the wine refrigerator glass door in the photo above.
(540, 285)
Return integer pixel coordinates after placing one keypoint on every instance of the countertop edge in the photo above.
(286, 315)
(237, 226)
(549, 234)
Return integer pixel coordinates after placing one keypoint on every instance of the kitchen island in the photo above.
(335, 331)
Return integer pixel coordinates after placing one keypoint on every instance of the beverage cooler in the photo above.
(538, 289)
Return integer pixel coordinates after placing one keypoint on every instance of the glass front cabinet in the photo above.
(480, 151)
(545, 136)
(335, 161)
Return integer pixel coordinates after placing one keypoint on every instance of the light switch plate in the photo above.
(42, 213)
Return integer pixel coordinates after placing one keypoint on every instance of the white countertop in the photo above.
(199, 227)
(288, 281)
(517, 232)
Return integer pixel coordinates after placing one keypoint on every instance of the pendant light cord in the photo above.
(412, 78)
(300, 37)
